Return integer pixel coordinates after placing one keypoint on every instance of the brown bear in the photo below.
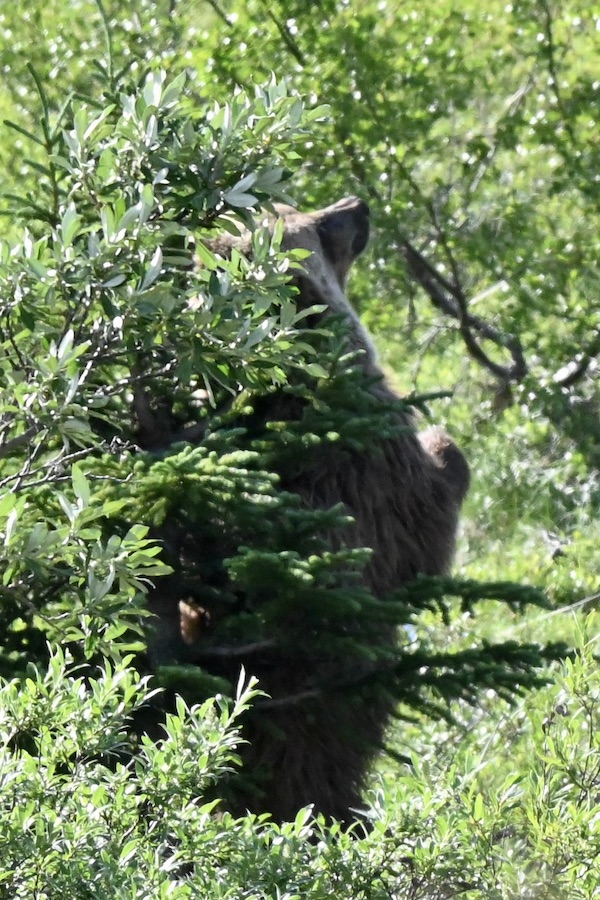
(306, 744)
(405, 500)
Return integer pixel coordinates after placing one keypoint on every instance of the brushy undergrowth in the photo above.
(502, 805)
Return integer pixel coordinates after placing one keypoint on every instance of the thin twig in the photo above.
(550, 47)
(286, 36)
(222, 15)
(7, 448)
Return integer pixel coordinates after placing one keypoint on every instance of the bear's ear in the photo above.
(343, 229)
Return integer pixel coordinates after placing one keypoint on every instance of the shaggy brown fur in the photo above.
(404, 498)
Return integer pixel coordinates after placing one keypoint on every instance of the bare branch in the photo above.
(449, 298)
(575, 370)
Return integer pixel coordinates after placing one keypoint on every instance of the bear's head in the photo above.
(334, 237)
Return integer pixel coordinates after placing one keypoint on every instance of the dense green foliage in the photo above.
(472, 134)
(78, 823)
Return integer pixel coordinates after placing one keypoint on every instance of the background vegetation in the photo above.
(472, 133)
